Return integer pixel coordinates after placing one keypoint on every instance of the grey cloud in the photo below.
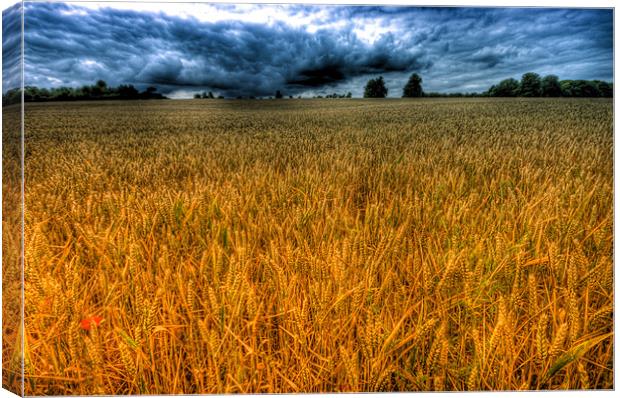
(160, 70)
(452, 48)
(491, 57)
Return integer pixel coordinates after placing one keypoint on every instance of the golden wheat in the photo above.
(313, 246)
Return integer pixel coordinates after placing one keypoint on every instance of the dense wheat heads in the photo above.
(11, 248)
(289, 246)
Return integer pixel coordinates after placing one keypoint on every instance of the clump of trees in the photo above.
(208, 95)
(335, 95)
(532, 85)
(505, 88)
(204, 95)
(13, 96)
(99, 91)
(452, 95)
(550, 86)
(413, 88)
(375, 88)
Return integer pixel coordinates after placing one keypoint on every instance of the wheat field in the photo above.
(220, 246)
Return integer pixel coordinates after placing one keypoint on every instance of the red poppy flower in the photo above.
(87, 323)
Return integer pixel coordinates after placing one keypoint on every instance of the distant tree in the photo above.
(210, 95)
(220, 97)
(98, 89)
(349, 95)
(44, 93)
(550, 86)
(413, 88)
(606, 89)
(570, 88)
(505, 88)
(84, 91)
(12, 96)
(580, 88)
(530, 85)
(30, 93)
(589, 88)
(204, 95)
(290, 97)
(66, 93)
(197, 96)
(127, 91)
(375, 88)
(278, 94)
(151, 93)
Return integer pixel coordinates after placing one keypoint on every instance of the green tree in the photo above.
(375, 88)
(413, 88)
(550, 86)
(127, 91)
(530, 85)
(13, 96)
(100, 88)
(278, 94)
(606, 89)
(505, 88)
(580, 88)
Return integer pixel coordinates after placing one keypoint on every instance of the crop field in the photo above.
(220, 246)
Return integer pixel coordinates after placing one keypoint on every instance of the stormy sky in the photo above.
(256, 49)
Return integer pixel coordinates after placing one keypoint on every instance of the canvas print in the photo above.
(257, 198)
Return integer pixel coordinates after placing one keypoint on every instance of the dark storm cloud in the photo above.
(465, 49)
(238, 58)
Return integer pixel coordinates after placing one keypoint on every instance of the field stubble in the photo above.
(319, 245)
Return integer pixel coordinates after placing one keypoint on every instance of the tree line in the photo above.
(206, 95)
(278, 95)
(531, 85)
(98, 91)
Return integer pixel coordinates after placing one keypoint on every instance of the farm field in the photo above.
(216, 246)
